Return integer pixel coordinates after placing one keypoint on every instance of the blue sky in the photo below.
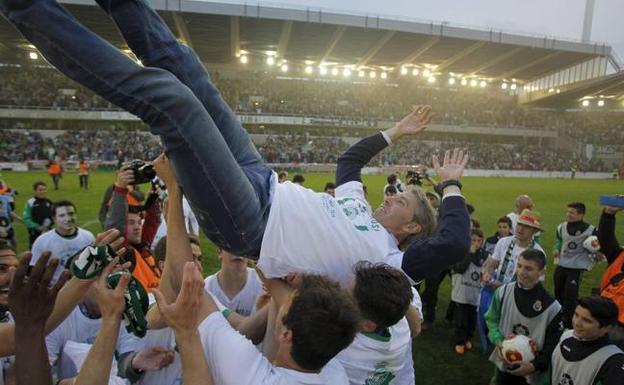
(562, 18)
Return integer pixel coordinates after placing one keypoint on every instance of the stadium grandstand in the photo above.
(307, 82)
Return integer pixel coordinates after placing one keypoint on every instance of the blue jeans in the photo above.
(219, 169)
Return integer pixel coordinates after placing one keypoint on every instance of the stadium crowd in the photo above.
(264, 92)
(332, 298)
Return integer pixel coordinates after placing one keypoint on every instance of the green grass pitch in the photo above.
(435, 361)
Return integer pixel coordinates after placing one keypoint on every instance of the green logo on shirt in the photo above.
(381, 376)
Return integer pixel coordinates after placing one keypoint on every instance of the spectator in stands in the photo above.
(139, 224)
(38, 215)
(83, 174)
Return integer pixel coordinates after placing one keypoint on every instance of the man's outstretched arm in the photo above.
(350, 164)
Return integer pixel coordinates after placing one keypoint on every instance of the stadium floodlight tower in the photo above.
(588, 19)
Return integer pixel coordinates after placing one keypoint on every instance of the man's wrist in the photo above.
(120, 188)
(393, 134)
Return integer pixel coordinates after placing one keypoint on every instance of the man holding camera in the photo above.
(137, 223)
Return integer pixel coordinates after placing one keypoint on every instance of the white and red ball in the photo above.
(591, 244)
(519, 348)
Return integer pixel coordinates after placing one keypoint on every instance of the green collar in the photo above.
(383, 336)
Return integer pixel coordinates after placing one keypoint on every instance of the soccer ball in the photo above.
(519, 348)
(591, 244)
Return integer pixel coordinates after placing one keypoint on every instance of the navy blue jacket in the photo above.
(424, 257)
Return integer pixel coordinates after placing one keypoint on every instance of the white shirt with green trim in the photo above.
(61, 247)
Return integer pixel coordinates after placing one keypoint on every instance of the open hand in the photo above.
(111, 301)
(453, 166)
(154, 358)
(164, 170)
(412, 124)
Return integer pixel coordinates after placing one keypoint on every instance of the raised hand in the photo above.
(31, 299)
(453, 166)
(154, 358)
(111, 301)
(125, 176)
(165, 170)
(414, 123)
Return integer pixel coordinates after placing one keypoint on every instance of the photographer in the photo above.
(137, 223)
(134, 197)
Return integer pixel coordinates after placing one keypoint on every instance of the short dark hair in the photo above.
(475, 223)
(298, 178)
(323, 320)
(6, 245)
(160, 250)
(392, 178)
(62, 203)
(329, 185)
(390, 190)
(505, 219)
(578, 206)
(534, 255)
(383, 294)
(282, 174)
(39, 183)
(477, 231)
(470, 208)
(604, 310)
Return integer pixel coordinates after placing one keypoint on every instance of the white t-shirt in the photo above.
(514, 220)
(5, 362)
(310, 232)
(499, 253)
(74, 356)
(374, 359)
(78, 328)
(61, 247)
(234, 360)
(244, 303)
(192, 226)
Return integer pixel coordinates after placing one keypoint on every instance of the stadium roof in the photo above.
(221, 32)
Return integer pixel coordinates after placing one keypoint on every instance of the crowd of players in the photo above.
(336, 305)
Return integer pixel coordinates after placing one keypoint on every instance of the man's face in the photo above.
(232, 262)
(280, 328)
(528, 272)
(524, 233)
(41, 191)
(572, 215)
(475, 243)
(331, 191)
(197, 256)
(396, 214)
(134, 228)
(65, 218)
(586, 327)
(503, 229)
(8, 259)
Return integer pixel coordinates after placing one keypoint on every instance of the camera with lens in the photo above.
(415, 177)
(143, 172)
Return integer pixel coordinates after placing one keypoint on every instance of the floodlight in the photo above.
(473, 83)
(323, 70)
(513, 86)
(415, 72)
(403, 71)
(361, 73)
(270, 60)
(426, 73)
(384, 75)
(601, 103)
(334, 71)
(585, 103)
(309, 69)
(483, 83)
(346, 72)
(244, 59)
(431, 79)
(284, 67)
(33, 55)
(451, 81)
(504, 86)
(372, 74)
(464, 82)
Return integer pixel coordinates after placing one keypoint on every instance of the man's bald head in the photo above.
(523, 202)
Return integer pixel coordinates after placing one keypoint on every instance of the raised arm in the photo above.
(118, 211)
(350, 164)
(606, 234)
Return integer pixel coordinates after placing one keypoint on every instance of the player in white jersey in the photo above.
(378, 353)
(236, 286)
(65, 240)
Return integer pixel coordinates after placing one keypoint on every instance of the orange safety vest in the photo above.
(146, 270)
(132, 201)
(612, 284)
(54, 169)
(4, 188)
(83, 168)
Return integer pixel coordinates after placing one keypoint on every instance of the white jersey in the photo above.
(77, 328)
(376, 359)
(244, 303)
(74, 356)
(506, 269)
(514, 220)
(192, 226)
(310, 232)
(234, 360)
(61, 247)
